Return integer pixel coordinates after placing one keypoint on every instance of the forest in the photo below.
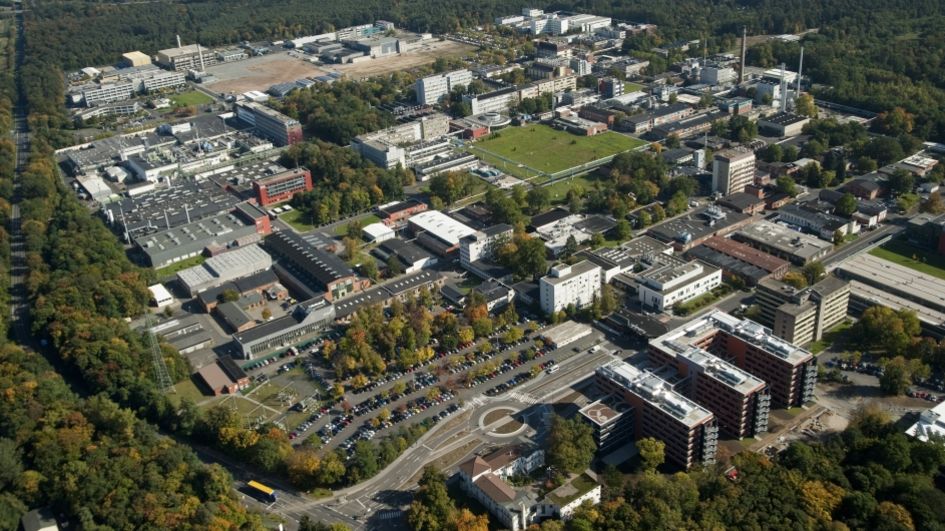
(870, 476)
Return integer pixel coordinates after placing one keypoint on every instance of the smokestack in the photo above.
(800, 71)
(784, 86)
(200, 55)
(741, 71)
(178, 41)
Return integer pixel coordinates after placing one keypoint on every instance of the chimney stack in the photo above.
(741, 71)
(178, 41)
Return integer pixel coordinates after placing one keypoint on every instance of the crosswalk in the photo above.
(524, 398)
(390, 514)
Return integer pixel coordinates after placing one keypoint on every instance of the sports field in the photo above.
(549, 150)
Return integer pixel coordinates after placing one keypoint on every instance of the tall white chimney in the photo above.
(178, 41)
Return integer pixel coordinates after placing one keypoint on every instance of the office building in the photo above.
(670, 280)
(612, 421)
(282, 186)
(270, 123)
(689, 431)
(317, 269)
(431, 89)
(789, 371)
(802, 315)
(780, 241)
(482, 244)
(496, 101)
(185, 58)
(732, 170)
(577, 285)
(305, 319)
(739, 400)
(107, 93)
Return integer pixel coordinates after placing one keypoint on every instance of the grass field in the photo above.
(187, 99)
(367, 220)
(630, 86)
(904, 254)
(559, 190)
(549, 150)
(172, 269)
(294, 218)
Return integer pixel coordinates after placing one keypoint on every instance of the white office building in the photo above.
(432, 88)
(733, 170)
(671, 280)
(107, 93)
(482, 244)
(565, 285)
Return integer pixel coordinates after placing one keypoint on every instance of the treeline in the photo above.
(870, 476)
(345, 184)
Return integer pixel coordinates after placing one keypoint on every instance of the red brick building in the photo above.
(282, 186)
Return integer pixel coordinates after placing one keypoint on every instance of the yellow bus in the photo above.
(263, 491)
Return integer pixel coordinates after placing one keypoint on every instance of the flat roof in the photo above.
(931, 424)
(324, 267)
(656, 392)
(441, 226)
(896, 279)
(727, 262)
(881, 297)
(744, 329)
(784, 239)
(697, 224)
(376, 230)
(215, 377)
(580, 268)
(745, 253)
(566, 332)
(599, 413)
(784, 118)
(159, 292)
(676, 344)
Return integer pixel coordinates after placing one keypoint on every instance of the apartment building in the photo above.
(689, 431)
(733, 170)
(801, 316)
(739, 400)
(565, 285)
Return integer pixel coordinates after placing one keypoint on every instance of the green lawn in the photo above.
(187, 389)
(904, 254)
(172, 269)
(630, 86)
(367, 220)
(187, 99)
(550, 150)
(294, 218)
(559, 189)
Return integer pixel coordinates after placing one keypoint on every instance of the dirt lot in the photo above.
(424, 54)
(260, 73)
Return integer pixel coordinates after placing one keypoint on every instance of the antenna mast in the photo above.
(160, 368)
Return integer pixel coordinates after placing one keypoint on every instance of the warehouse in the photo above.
(559, 336)
(438, 232)
(169, 246)
(319, 270)
(241, 262)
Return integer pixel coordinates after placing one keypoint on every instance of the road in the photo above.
(19, 301)
(863, 243)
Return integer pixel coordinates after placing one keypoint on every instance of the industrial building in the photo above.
(406, 144)
(783, 124)
(224, 267)
(135, 58)
(269, 123)
(305, 319)
(789, 371)
(394, 214)
(920, 288)
(438, 232)
(739, 400)
(563, 334)
(780, 241)
(400, 289)
(646, 121)
(733, 170)
(576, 285)
(739, 260)
(670, 280)
(431, 89)
(821, 224)
(411, 256)
(282, 186)
(317, 269)
(689, 431)
(223, 230)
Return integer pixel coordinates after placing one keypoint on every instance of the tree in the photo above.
(512, 335)
(652, 453)
(795, 279)
(571, 445)
(622, 231)
(432, 508)
(934, 204)
(901, 182)
(266, 314)
(539, 199)
(608, 299)
(898, 374)
(229, 295)
(394, 266)
(772, 153)
(813, 272)
(846, 205)
(466, 520)
(790, 154)
(805, 105)
(895, 122)
(785, 184)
